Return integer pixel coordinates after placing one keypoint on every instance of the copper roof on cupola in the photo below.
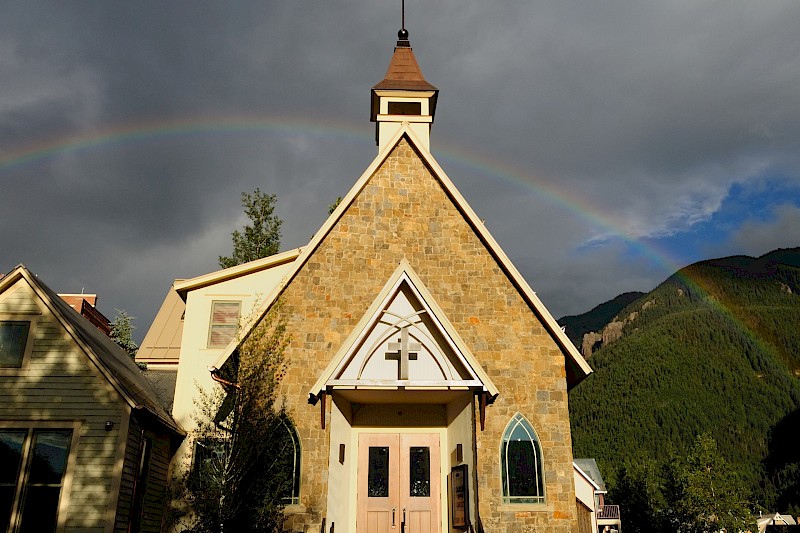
(404, 72)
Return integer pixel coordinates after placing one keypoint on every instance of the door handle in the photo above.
(393, 510)
(404, 521)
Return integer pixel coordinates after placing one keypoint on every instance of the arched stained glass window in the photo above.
(291, 455)
(521, 463)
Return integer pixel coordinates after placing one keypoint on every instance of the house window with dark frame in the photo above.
(521, 463)
(224, 323)
(32, 467)
(13, 341)
(208, 462)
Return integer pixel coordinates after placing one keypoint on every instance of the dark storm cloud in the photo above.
(647, 113)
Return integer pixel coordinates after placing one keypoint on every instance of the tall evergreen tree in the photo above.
(262, 237)
(122, 332)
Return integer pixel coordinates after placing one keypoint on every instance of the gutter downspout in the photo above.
(214, 375)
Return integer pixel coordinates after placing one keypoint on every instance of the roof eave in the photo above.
(184, 286)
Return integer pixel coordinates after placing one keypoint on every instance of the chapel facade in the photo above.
(426, 382)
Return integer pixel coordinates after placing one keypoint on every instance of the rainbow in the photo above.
(147, 132)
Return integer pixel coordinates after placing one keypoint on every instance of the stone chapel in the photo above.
(426, 381)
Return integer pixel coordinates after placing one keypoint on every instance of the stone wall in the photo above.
(404, 212)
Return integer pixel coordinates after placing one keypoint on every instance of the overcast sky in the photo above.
(605, 143)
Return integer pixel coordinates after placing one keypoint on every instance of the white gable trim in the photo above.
(513, 274)
(404, 274)
(186, 285)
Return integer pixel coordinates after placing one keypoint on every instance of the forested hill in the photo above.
(714, 348)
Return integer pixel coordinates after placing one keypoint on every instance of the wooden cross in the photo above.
(402, 352)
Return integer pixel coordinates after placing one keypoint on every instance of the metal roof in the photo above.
(590, 468)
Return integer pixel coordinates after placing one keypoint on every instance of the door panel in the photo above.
(378, 495)
(377, 521)
(419, 521)
(398, 483)
(419, 481)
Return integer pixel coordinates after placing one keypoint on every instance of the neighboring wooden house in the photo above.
(426, 380)
(196, 322)
(214, 305)
(84, 444)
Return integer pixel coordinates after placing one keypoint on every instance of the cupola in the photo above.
(403, 97)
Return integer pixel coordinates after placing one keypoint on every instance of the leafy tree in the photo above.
(705, 494)
(262, 237)
(637, 490)
(122, 332)
(244, 464)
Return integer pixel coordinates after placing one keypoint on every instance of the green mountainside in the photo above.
(715, 348)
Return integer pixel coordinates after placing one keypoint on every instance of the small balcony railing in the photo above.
(608, 512)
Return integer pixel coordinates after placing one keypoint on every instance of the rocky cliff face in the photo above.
(593, 341)
(581, 328)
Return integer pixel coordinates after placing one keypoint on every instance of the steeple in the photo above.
(403, 96)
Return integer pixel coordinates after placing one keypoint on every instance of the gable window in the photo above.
(521, 463)
(13, 341)
(32, 467)
(224, 323)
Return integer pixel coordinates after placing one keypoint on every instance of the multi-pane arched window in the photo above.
(521, 463)
(290, 445)
(277, 468)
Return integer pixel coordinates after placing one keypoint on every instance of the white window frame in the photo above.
(297, 463)
(516, 500)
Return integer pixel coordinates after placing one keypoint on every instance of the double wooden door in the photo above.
(398, 483)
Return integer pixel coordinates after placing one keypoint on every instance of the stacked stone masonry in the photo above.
(404, 212)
